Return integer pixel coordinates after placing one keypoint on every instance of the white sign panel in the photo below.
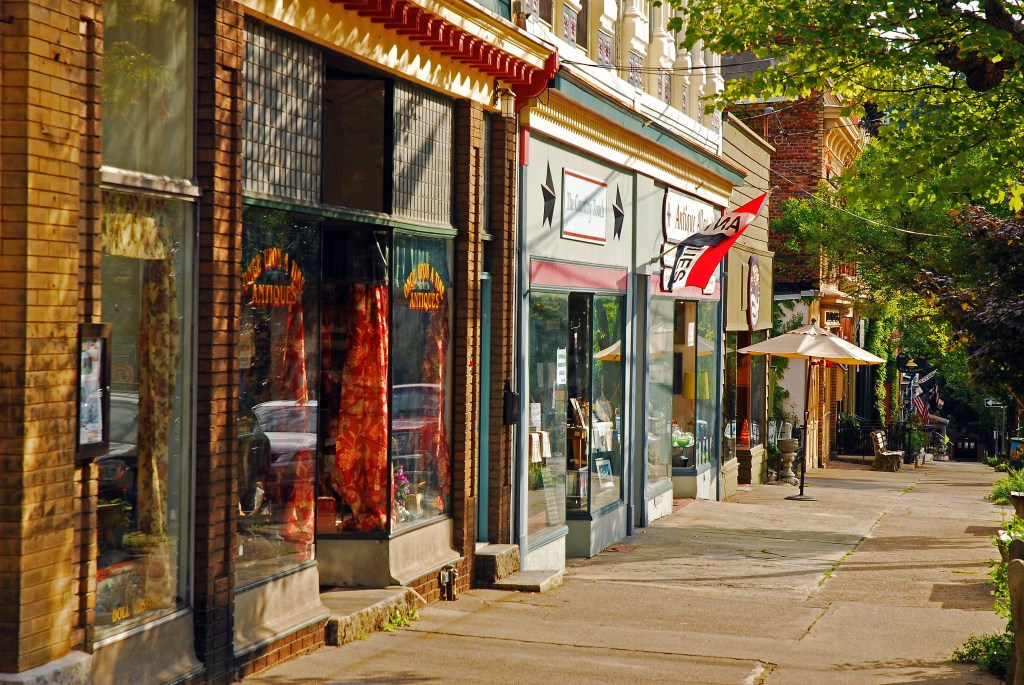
(685, 215)
(561, 367)
(584, 208)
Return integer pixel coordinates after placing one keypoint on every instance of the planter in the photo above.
(1017, 500)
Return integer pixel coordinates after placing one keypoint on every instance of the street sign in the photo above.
(989, 402)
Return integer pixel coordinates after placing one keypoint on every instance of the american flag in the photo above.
(922, 408)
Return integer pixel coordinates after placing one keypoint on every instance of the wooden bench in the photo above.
(885, 460)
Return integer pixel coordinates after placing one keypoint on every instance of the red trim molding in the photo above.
(438, 34)
(584, 277)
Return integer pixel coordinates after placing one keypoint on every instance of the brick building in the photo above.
(242, 253)
(265, 275)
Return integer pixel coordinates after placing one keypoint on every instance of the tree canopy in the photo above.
(956, 278)
(949, 75)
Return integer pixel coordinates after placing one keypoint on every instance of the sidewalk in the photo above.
(875, 582)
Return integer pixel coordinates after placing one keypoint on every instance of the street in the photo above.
(877, 581)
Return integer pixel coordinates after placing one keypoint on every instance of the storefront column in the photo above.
(41, 106)
(219, 94)
(504, 172)
(468, 179)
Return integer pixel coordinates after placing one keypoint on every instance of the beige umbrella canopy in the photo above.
(811, 342)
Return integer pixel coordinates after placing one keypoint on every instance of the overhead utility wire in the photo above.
(661, 70)
(857, 216)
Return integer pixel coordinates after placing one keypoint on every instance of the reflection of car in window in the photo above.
(117, 467)
(413, 407)
(290, 429)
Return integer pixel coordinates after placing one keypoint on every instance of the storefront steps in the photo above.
(495, 562)
(355, 613)
(530, 581)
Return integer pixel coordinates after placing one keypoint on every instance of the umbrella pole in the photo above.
(803, 453)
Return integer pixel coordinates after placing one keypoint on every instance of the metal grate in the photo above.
(284, 81)
(423, 155)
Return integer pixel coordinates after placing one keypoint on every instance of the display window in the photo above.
(143, 489)
(681, 402)
(386, 461)
(148, 112)
(345, 385)
(708, 413)
(548, 403)
(278, 393)
(745, 393)
(576, 405)
(660, 366)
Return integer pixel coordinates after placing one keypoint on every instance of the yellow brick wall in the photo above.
(40, 134)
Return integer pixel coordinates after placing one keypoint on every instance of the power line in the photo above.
(660, 70)
(856, 216)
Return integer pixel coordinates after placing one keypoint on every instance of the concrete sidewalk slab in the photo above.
(875, 582)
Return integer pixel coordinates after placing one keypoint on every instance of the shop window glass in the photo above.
(707, 411)
(279, 366)
(729, 396)
(386, 458)
(758, 394)
(546, 453)
(142, 510)
(147, 86)
(608, 396)
(579, 357)
(421, 380)
(659, 391)
(355, 342)
(686, 430)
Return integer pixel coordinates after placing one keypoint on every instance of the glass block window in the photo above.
(604, 48)
(284, 80)
(423, 161)
(569, 20)
(635, 74)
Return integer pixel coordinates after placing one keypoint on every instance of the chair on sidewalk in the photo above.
(885, 460)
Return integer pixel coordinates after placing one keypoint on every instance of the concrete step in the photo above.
(357, 612)
(494, 562)
(530, 581)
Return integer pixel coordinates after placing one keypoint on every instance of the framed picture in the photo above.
(93, 426)
(604, 473)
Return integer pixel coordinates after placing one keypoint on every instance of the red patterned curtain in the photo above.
(361, 457)
(294, 385)
(434, 437)
(158, 359)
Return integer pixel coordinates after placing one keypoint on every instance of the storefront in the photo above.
(147, 227)
(346, 349)
(291, 299)
(748, 318)
(608, 356)
(577, 310)
(682, 348)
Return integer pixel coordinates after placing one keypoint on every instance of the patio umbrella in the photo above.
(811, 343)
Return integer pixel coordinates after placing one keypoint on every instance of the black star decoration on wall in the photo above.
(548, 189)
(618, 212)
